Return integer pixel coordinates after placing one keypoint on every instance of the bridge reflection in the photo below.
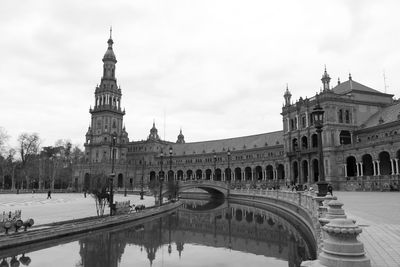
(225, 225)
(220, 224)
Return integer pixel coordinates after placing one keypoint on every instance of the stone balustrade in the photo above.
(337, 242)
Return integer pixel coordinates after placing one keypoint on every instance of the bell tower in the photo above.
(106, 115)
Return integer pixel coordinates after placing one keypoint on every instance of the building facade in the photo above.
(360, 144)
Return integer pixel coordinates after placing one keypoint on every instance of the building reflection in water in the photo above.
(223, 225)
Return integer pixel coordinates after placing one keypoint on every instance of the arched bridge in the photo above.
(214, 188)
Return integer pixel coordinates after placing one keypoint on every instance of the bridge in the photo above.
(214, 188)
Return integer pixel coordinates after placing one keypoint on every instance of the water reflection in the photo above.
(215, 224)
(201, 230)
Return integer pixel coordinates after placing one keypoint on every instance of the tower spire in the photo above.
(325, 80)
(110, 32)
(287, 96)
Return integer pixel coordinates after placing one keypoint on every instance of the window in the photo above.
(303, 122)
(347, 116)
(340, 116)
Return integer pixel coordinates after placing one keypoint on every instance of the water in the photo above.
(201, 233)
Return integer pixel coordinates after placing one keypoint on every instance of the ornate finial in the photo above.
(110, 32)
(338, 81)
(350, 78)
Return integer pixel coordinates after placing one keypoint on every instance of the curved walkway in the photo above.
(378, 214)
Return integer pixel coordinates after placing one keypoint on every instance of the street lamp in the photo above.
(170, 163)
(141, 180)
(112, 175)
(318, 118)
(229, 167)
(161, 176)
(215, 166)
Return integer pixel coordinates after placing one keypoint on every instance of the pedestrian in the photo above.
(330, 189)
(84, 192)
(49, 194)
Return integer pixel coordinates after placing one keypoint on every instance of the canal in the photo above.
(200, 233)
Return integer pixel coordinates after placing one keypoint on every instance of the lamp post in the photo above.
(141, 180)
(229, 167)
(318, 118)
(112, 175)
(170, 163)
(161, 176)
(215, 166)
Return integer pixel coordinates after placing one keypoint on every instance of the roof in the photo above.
(385, 115)
(351, 85)
(237, 143)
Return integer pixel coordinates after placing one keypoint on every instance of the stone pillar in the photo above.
(252, 175)
(341, 247)
(378, 167)
(392, 165)
(373, 165)
(361, 169)
(345, 170)
(397, 165)
(358, 169)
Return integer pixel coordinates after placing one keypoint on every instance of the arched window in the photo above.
(314, 140)
(295, 144)
(304, 142)
(347, 116)
(340, 116)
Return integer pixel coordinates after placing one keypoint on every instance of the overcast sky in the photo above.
(217, 69)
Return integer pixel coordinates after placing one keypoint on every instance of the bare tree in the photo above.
(29, 144)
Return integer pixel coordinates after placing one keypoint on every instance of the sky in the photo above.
(217, 69)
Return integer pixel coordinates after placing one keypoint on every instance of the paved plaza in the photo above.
(378, 214)
(61, 206)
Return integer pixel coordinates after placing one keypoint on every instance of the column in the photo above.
(252, 175)
(373, 165)
(391, 162)
(243, 176)
(397, 165)
(264, 172)
(378, 167)
(223, 176)
(361, 169)
(358, 167)
(345, 170)
(288, 124)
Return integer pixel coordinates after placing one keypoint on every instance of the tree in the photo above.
(28, 149)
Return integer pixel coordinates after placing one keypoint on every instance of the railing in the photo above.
(305, 199)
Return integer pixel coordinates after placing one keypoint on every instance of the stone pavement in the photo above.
(378, 214)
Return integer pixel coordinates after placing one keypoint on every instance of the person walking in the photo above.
(49, 194)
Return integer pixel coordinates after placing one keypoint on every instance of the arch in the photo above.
(170, 175)
(189, 175)
(179, 175)
(281, 171)
(86, 181)
(239, 215)
(385, 165)
(351, 166)
(228, 174)
(249, 217)
(314, 140)
(304, 167)
(295, 172)
(199, 174)
(345, 137)
(161, 175)
(238, 174)
(258, 173)
(218, 174)
(304, 142)
(368, 167)
(120, 182)
(270, 172)
(152, 176)
(208, 174)
(315, 168)
(295, 144)
(247, 173)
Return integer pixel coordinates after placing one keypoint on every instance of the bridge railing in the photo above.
(305, 199)
(205, 182)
